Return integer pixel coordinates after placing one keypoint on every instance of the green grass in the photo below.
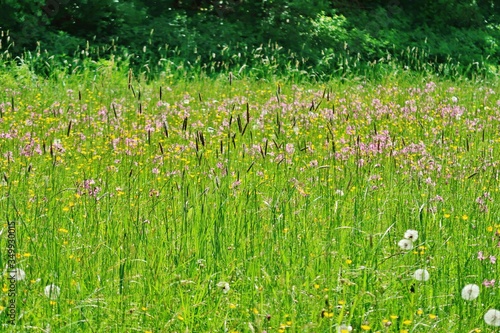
(295, 195)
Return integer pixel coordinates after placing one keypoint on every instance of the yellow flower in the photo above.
(327, 314)
(365, 327)
(465, 217)
(407, 322)
(432, 316)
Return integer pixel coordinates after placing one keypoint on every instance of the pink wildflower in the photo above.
(490, 283)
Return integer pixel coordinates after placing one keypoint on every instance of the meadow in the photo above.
(235, 204)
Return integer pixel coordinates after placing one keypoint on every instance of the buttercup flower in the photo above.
(405, 244)
(411, 235)
(470, 292)
(421, 275)
(492, 317)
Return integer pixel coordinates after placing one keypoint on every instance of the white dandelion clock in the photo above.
(18, 274)
(344, 329)
(411, 235)
(224, 286)
(405, 244)
(52, 291)
(470, 292)
(421, 275)
(492, 317)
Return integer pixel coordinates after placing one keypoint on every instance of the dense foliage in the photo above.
(309, 35)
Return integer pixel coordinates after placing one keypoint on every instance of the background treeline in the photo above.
(316, 36)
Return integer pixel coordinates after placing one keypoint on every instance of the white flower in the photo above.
(411, 235)
(405, 244)
(18, 274)
(224, 286)
(421, 275)
(454, 99)
(344, 329)
(52, 291)
(492, 317)
(470, 292)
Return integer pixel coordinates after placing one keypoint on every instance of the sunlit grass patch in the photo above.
(252, 206)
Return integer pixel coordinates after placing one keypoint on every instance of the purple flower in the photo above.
(480, 255)
(490, 283)
(493, 259)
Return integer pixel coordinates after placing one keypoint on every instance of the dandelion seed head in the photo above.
(344, 329)
(470, 292)
(421, 275)
(224, 286)
(411, 235)
(492, 317)
(17, 274)
(405, 244)
(52, 291)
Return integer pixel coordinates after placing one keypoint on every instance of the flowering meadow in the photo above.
(244, 205)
